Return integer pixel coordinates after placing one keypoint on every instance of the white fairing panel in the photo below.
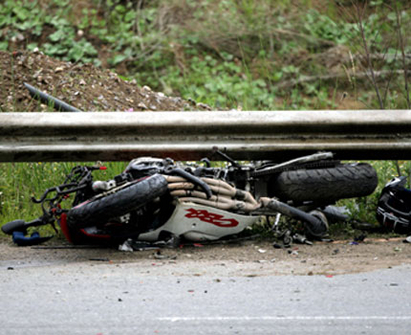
(201, 223)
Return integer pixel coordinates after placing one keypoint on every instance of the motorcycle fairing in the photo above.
(196, 222)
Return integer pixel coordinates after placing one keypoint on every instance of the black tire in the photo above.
(124, 201)
(325, 185)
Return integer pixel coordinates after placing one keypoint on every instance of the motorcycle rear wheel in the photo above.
(324, 185)
(113, 205)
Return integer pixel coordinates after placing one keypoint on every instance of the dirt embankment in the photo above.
(81, 85)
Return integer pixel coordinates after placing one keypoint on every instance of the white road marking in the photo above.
(284, 318)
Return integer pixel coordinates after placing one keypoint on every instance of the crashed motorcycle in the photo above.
(158, 199)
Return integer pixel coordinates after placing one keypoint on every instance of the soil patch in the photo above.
(81, 85)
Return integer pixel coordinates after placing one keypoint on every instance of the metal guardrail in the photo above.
(275, 135)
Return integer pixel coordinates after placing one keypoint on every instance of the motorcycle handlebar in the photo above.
(20, 225)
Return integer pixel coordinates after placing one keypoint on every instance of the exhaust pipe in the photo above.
(315, 222)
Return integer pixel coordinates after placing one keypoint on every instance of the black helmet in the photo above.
(394, 206)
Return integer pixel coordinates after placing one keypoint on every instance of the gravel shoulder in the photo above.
(247, 259)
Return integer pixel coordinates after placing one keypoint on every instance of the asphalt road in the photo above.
(106, 298)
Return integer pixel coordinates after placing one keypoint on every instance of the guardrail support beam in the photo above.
(279, 135)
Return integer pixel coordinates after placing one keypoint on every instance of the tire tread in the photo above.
(326, 184)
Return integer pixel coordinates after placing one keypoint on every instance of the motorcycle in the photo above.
(158, 199)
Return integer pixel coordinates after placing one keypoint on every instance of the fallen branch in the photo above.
(358, 75)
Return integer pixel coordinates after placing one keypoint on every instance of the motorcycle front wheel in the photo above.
(123, 201)
(324, 185)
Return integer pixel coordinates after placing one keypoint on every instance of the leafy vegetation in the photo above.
(242, 54)
(228, 54)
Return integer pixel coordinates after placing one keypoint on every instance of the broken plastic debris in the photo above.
(407, 240)
(132, 245)
(125, 247)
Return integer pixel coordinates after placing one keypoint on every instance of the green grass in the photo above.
(21, 181)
